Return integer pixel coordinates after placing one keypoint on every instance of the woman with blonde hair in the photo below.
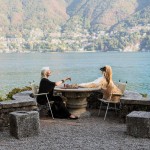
(104, 83)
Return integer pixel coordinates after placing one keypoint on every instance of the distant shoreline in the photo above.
(26, 52)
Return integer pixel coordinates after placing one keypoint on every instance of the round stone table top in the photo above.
(62, 89)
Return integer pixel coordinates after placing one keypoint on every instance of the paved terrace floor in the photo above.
(91, 133)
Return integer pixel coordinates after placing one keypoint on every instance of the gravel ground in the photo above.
(91, 133)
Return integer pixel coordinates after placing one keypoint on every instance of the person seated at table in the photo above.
(46, 86)
(104, 83)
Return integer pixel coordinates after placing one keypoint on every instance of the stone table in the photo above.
(76, 99)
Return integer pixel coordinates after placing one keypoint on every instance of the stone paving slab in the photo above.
(135, 101)
(22, 95)
(132, 94)
(17, 103)
(21, 99)
(134, 98)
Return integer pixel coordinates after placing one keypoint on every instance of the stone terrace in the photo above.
(82, 134)
(91, 133)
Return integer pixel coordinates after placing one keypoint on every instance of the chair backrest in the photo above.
(122, 86)
(34, 88)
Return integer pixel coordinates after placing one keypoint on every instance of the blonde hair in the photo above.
(108, 74)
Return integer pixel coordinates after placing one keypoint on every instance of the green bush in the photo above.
(2, 98)
(144, 95)
(9, 96)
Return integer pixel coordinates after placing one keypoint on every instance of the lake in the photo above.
(18, 69)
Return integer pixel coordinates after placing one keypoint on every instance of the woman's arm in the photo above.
(88, 85)
(93, 84)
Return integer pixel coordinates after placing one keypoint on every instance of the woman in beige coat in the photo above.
(105, 84)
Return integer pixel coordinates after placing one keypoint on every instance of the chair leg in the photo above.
(120, 106)
(106, 111)
(50, 107)
(99, 109)
(115, 109)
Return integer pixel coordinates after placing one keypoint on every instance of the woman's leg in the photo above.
(62, 111)
(41, 100)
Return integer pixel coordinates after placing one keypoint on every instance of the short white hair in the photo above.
(43, 72)
(45, 68)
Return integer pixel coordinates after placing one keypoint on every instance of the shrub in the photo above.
(9, 96)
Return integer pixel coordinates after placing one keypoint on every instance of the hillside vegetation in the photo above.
(78, 25)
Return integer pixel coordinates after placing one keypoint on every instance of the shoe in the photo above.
(73, 118)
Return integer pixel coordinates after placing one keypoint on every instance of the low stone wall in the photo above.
(133, 101)
(22, 102)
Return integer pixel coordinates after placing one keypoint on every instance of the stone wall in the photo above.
(133, 101)
(22, 102)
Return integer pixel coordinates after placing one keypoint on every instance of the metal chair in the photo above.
(108, 102)
(35, 94)
(122, 87)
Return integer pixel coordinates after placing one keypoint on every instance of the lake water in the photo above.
(17, 70)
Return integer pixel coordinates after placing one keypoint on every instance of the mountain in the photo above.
(104, 14)
(44, 13)
(140, 17)
(64, 25)
(17, 15)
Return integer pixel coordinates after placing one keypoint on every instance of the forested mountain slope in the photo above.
(74, 24)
